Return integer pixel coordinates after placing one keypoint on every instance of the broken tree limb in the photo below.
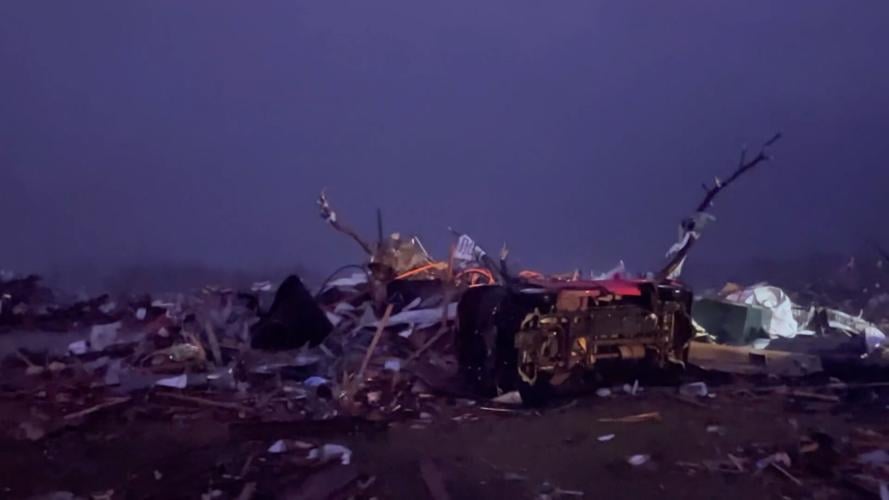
(359, 378)
(213, 340)
(99, 407)
(330, 216)
(688, 225)
(247, 492)
(435, 338)
(205, 402)
(654, 416)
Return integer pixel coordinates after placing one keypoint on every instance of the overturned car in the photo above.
(532, 336)
(533, 333)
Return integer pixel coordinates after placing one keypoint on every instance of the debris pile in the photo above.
(406, 339)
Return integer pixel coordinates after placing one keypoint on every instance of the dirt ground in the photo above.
(503, 454)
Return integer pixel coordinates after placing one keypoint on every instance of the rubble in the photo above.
(409, 342)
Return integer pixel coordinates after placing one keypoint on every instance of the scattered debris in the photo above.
(694, 389)
(632, 419)
(279, 446)
(177, 382)
(407, 341)
(716, 429)
(329, 452)
(509, 398)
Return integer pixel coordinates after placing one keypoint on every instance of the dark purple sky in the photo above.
(577, 131)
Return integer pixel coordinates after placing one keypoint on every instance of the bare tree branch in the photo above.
(330, 216)
(744, 166)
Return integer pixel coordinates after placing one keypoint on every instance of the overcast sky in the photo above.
(579, 132)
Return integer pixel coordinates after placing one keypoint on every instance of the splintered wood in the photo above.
(654, 416)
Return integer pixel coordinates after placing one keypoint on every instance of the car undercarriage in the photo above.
(537, 336)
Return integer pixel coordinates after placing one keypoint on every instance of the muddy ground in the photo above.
(504, 454)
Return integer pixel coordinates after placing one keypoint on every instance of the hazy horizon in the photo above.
(579, 133)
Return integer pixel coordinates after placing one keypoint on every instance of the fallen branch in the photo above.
(736, 462)
(99, 407)
(786, 474)
(25, 359)
(329, 215)
(359, 378)
(689, 225)
(213, 340)
(796, 393)
(247, 492)
(654, 416)
(204, 402)
(812, 395)
(510, 411)
(427, 345)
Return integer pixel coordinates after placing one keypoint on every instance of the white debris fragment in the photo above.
(615, 272)
(177, 382)
(414, 303)
(782, 323)
(112, 373)
(760, 344)
(605, 438)
(632, 390)
(278, 446)
(162, 304)
(509, 398)
(876, 457)
(603, 392)
(211, 495)
(780, 458)
(420, 318)
(333, 318)
(102, 495)
(694, 389)
(637, 460)
(141, 313)
(79, 347)
(305, 359)
(392, 365)
(466, 250)
(343, 307)
(315, 381)
(351, 281)
(329, 452)
(104, 336)
(873, 338)
(514, 477)
(34, 370)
